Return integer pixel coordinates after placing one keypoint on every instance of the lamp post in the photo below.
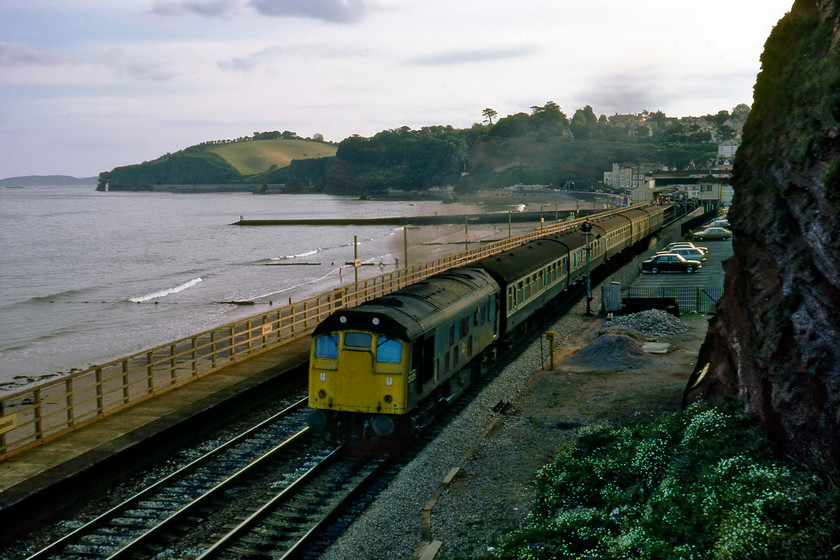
(356, 262)
(586, 228)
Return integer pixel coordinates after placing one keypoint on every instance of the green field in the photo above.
(257, 156)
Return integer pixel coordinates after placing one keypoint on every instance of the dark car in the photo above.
(669, 263)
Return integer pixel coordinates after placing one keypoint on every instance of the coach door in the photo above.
(424, 361)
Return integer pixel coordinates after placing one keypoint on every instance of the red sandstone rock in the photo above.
(775, 337)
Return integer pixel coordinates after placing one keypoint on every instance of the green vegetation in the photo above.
(699, 484)
(797, 107)
(542, 147)
(267, 157)
(260, 156)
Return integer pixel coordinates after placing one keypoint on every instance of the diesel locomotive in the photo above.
(381, 369)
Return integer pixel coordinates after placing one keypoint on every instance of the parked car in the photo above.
(713, 233)
(719, 222)
(669, 263)
(690, 253)
(688, 244)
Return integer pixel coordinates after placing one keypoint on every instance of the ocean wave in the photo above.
(58, 295)
(306, 254)
(166, 292)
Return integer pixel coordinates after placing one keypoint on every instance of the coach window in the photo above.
(326, 346)
(357, 340)
(388, 350)
(451, 337)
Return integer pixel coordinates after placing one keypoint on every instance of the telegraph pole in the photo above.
(586, 228)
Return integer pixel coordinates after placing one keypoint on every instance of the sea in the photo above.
(87, 277)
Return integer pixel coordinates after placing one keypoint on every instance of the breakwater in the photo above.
(547, 216)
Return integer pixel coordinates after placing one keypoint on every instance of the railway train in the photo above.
(380, 370)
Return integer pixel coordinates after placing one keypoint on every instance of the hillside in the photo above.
(773, 338)
(47, 180)
(543, 147)
(260, 156)
(264, 158)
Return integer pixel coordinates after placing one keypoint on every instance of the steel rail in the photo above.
(102, 519)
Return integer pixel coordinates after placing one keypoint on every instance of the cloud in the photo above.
(471, 56)
(333, 11)
(14, 54)
(206, 8)
(251, 61)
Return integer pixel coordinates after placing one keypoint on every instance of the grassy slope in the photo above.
(258, 156)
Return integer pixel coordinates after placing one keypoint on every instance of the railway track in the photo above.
(285, 525)
(219, 489)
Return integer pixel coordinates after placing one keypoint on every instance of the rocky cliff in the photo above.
(775, 338)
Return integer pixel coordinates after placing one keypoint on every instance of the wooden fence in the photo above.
(48, 410)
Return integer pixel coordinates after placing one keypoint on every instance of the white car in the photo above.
(684, 244)
(690, 253)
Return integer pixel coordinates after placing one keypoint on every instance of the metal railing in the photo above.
(691, 299)
(48, 410)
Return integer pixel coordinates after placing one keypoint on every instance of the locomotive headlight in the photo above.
(388, 398)
(322, 394)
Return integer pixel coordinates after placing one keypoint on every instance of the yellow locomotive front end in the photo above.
(358, 371)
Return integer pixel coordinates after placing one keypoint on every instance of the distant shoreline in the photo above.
(48, 181)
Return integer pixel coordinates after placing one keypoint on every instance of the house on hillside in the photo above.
(628, 176)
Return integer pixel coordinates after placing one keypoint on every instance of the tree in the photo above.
(489, 114)
(583, 122)
(725, 132)
(741, 111)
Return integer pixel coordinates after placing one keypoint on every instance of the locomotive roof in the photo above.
(409, 312)
(511, 265)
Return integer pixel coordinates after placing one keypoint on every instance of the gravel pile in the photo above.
(611, 351)
(652, 322)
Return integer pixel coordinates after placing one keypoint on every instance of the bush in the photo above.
(700, 484)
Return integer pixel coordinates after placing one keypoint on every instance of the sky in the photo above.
(89, 85)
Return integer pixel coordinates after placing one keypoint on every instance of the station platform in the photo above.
(41, 479)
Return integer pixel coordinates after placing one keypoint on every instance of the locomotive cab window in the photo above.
(388, 350)
(357, 339)
(327, 346)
